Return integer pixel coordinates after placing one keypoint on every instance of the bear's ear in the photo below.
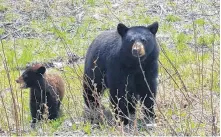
(153, 28)
(121, 29)
(41, 70)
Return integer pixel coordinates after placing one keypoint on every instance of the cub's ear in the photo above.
(121, 29)
(41, 70)
(153, 28)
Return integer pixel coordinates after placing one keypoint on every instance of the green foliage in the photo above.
(200, 22)
(10, 17)
(1, 31)
(87, 128)
(3, 8)
(91, 2)
(172, 18)
(74, 127)
(25, 57)
(72, 26)
(56, 123)
(167, 27)
(145, 20)
(171, 3)
(207, 40)
(181, 41)
(66, 21)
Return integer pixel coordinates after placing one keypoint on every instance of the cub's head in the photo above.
(138, 41)
(31, 75)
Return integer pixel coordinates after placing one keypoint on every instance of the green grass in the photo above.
(189, 57)
(172, 18)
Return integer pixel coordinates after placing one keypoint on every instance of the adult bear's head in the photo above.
(138, 41)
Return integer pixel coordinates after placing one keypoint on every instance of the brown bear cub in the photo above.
(47, 91)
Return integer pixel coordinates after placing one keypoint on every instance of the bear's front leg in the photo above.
(53, 106)
(146, 85)
(53, 112)
(34, 107)
(92, 92)
(120, 95)
(119, 104)
(147, 93)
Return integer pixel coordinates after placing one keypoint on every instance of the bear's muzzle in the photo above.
(138, 49)
(21, 81)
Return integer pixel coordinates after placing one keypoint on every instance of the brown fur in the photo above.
(56, 81)
(46, 91)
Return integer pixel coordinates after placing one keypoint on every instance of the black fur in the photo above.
(110, 63)
(45, 89)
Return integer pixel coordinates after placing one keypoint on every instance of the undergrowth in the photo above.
(189, 87)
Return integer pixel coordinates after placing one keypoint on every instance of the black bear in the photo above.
(47, 91)
(126, 62)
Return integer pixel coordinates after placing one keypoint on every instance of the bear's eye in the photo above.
(143, 40)
(24, 76)
(132, 40)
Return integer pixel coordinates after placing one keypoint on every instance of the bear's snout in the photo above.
(19, 80)
(138, 49)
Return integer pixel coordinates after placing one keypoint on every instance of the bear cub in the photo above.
(46, 91)
(125, 61)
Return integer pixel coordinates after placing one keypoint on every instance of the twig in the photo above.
(111, 11)
(3, 104)
(12, 93)
(143, 73)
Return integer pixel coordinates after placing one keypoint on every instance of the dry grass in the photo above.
(55, 32)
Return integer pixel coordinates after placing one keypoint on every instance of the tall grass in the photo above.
(188, 96)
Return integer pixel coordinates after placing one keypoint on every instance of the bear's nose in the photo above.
(17, 80)
(138, 49)
(135, 52)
